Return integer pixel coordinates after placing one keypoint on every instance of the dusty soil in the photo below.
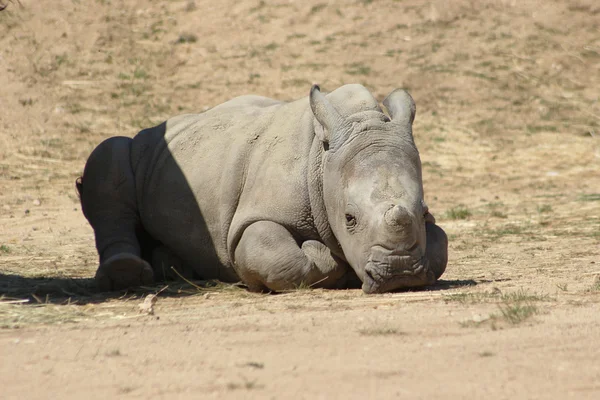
(508, 126)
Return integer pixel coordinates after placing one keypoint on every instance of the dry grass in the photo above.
(496, 296)
(514, 308)
(14, 316)
(380, 332)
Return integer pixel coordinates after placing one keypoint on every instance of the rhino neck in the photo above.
(317, 202)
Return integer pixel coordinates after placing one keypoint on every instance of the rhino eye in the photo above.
(350, 220)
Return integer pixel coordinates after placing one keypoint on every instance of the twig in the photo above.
(424, 294)
(3, 6)
(78, 83)
(528, 77)
(572, 54)
(591, 114)
(42, 159)
(71, 294)
(161, 290)
(15, 301)
(317, 282)
(36, 298)
(514, 55)
(188, 281)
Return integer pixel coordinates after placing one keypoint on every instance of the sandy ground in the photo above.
(508, 127)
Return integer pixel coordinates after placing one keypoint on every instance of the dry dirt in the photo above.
(508, 126)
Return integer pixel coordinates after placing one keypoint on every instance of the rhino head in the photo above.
(373, 192)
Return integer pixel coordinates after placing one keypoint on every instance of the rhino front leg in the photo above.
(268, 258)
(108, 201)
(437, 249)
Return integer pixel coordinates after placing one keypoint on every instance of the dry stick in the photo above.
(41, 159)
(515, 55)
(317, 282)
(425, 294)
(188, 281)
(76, 83)
(161, 290)
(572, 54)
(3, 6)
(591, 114)
(15, 301)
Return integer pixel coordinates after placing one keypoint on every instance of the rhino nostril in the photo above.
(413, 247)
(369, 274)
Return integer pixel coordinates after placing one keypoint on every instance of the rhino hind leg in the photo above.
(108, 201)
(437, 249)
(122, 271)
(268, 258)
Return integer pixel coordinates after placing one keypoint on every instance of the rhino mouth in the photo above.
(389, 270)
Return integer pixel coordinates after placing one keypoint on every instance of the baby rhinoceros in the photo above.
(325, 191)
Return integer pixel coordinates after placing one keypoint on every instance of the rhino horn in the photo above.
(325, 113)
(397, 216)
(401, 107)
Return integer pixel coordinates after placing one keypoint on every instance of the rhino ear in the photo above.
(325, 113)
(401, 107)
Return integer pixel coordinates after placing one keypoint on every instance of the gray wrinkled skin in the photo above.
(324, 191)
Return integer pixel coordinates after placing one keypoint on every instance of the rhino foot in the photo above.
(122, 271)
(437, 250)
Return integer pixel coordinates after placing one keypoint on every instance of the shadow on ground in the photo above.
(443, 284)
(83, 290)
(53, 290)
